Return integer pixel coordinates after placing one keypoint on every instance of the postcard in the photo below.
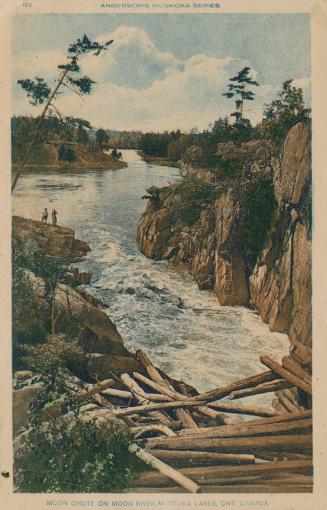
(163, 244)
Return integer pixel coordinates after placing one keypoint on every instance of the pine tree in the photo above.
(239, 87)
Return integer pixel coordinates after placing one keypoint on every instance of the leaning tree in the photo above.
(239, 86)
(70, 77)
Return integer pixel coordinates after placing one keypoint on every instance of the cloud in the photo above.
(140, 87)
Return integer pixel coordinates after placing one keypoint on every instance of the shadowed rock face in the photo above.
(279, 284)
(47, 239)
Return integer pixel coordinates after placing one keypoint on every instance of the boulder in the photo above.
(99, 334)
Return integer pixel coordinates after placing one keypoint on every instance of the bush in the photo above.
(195, 196)
(58, 352)
(76, 456)
(259, 205)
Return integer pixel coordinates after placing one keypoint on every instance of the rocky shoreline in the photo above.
(276, 280)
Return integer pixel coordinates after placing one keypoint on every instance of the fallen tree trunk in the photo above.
(248, 382)
(141, 430)
(182, 414)
(249, 445)
(223, 489)
(154, 407)
(247, 430)
(261, 388)
(167, 471)
(208, 474)
(237, 409)
(286, 374)
(205, 458)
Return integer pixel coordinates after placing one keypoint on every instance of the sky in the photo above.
(163, 71)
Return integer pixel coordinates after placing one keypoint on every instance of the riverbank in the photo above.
(157, 160)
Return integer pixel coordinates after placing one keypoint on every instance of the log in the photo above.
(245, 430)
(271, 455)
(235, 489)
(286, 402)
(291, 365)
(174, 394)
(296, 442)
(167, 471)
(154, 407)
(139, 392)
(203, 458)
(140, 431)
(208, 474)
(261, 388)
(286, 374)
(248, 382)
(96, 388)
(248, 410)
(111, 392)
(182, 414)
(280, 418)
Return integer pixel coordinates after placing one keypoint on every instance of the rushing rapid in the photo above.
(184, 330)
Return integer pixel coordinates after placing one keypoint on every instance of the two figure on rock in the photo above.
(45, 215)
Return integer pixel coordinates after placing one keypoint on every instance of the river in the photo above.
(203, 344)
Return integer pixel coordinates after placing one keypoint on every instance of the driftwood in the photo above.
(208, 474)
(175, 395)
(139, 392)
(286, 374)
(155, 407)
(245, 430)
(261, 388)
(182, 414)
(167, 471)
(291, 365)
(182, 457)
(237, 409)
(287, 403)
(248, 382)
(141, 397)
(216, 489)
(96, 388)
(111, 392)
(145, 429)
(296, 442)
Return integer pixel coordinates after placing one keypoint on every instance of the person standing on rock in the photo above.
(45, 215)
(54, 217)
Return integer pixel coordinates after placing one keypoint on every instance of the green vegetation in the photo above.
(283, 113)
(76, 456)
(239, 87)
(194, 196)
(258, 207)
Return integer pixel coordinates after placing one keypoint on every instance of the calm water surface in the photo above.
(203, 344)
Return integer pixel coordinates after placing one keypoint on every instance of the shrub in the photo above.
(76, 456)
(195, 195)
(259, 205)
(58, 352)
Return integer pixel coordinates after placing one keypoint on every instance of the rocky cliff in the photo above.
(52, 240)
(251, 244)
